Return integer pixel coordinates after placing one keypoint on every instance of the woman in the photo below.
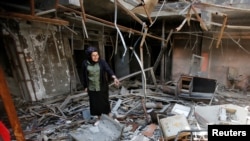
(95, 82)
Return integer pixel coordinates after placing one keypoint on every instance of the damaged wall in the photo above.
(232, 54)
(41, 59)
(228, 55)
(183, 49)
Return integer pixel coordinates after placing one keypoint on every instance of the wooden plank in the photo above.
(129, 12)
(107, 23)
(32, 7)
(11, 15)
(222, 31)
(203, 25)
(10, 108)
(163, 50)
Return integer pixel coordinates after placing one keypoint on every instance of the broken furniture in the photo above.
(196, 88)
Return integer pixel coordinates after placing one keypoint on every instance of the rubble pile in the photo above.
(154, 116)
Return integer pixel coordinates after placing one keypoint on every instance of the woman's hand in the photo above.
(116, 81)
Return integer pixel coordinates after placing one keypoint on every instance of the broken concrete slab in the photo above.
(181, 109)
(140, 138)
(206, 115)
(107, 130)
(174, 124)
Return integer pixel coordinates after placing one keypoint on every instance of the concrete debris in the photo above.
(167, 117)
(173, 124)
(181, 109)
(107, 130)
(221, 114)
(149, 132)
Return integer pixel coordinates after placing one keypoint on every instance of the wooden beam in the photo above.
(83, 11)
(11, 15)
(187, 19)
(130, 13)
(148, 15)
(83, 18)
(123, 28)
(181, 25)
(10, 108)
(32, 7)
(188, 16)
(239, 27)
(56, 4)
(221, 31)
(203, 26)
(163, 50)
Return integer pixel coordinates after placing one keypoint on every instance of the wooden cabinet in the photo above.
(185, 84)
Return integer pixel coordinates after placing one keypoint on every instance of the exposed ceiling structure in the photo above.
(141, 11)
(219, 17)
(211, 11)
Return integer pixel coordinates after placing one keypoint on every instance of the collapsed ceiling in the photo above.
(211, 12)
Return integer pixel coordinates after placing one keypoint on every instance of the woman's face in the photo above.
(95, 56)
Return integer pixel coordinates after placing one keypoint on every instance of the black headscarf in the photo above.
(89, 51)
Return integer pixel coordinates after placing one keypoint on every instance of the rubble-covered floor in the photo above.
(136, 115)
